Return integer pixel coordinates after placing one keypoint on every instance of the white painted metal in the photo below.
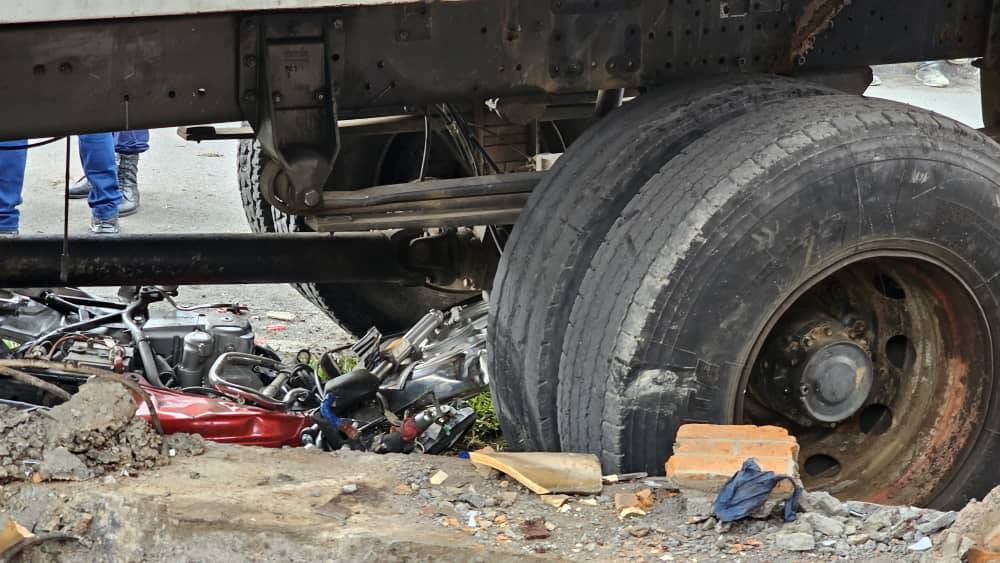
(36, 11)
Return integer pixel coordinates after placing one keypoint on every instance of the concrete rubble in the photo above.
(93, 434)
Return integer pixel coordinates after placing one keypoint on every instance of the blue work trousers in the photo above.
(132, 142)
(97, 154)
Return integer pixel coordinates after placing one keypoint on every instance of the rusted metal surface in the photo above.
(927, 404)
(208, 68)
(816, 18)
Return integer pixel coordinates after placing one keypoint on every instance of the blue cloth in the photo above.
(11, 179)
(746, 491)
(97, 153)
(132, 142)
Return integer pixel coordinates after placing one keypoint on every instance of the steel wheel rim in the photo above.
(932, 366)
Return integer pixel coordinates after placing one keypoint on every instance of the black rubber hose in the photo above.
(142, 345)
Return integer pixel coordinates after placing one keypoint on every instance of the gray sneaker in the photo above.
(128, 180)
(80, 188)
(8, 234)
(104, 226)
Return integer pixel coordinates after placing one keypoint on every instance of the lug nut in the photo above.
(312, 198)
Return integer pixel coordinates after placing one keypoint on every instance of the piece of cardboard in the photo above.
(546, 472)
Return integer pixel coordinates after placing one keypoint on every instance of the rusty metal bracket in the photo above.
(817, 16)
(296, 107)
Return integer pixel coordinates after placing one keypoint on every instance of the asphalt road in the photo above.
(188, 187)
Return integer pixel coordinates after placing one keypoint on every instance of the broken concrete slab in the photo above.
(60, 464)
(823, 503)
(825, 524)
(795, 541)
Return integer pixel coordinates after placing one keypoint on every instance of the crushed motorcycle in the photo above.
(206, 373)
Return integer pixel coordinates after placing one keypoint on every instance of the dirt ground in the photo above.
(251, 504)
(90, 470)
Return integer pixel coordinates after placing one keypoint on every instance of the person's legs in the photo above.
(132, 142)
(97, 152)
(129, 145)
(11, 183)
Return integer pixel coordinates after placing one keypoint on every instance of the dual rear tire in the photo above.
(698, 256)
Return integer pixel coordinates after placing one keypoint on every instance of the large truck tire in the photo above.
(355, 307)
(566, 219)
(830, 265)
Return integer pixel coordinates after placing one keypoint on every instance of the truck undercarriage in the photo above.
(729, 231)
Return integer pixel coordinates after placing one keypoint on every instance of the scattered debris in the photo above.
(646, 498)
(624, 477)
(642, 500)
(555, 501)
(545, 472)
(535, 529)
(923, 544)
(465, 510)
(630, 511)
(283, 316)
(638, 531)
(438, 478)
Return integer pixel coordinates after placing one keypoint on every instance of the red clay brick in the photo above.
(733, 431)
(706, 456)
